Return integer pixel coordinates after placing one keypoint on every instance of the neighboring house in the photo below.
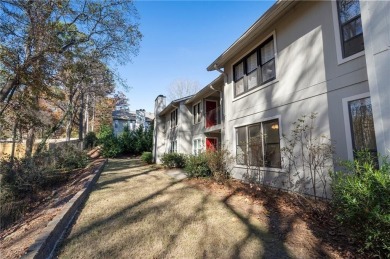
(327, 57)
(123, 118)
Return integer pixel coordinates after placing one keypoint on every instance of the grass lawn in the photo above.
(136, 211)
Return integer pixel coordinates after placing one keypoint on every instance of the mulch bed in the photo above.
(297, 220)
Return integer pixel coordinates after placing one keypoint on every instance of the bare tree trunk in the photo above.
(13, 142)
(30, 142)
(93, 113)
(81, 120)
(69, 124)
(49, 133)
(86, 128)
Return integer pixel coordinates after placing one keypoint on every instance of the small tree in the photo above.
(308, 156)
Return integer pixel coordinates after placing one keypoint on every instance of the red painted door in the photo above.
(211, 114)
(211, 144)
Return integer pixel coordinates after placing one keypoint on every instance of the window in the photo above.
(173, 146)
(197, 146)
(196, 111)
(350, 24)
(174, 118)
(255, 69)
(259, 145)
(362, 125)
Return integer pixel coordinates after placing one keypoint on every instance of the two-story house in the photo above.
(299, 57)
(123, 118)
(191, 124)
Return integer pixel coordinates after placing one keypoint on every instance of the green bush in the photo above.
(172, 160)
(111, 145)
(361, 198)
(127, 138)
(69, 157)
(147, 157)
(197, 166)
(90, 140)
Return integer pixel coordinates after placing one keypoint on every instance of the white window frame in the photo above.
(200, 146)
(347, 122)
(197, 115)
(270, 169)
(339, 50)
(173, 146)
(261, 86)
(175, 111)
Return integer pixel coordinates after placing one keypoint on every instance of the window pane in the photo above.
(239, 86)
(352, 29)
(267, 52)
(353, 46)
(362, 124)
(348, 9)
(255, 146)
(241, 136)
(241, 146)
(251, 62)
(252, 79)
(268, 71)
(241, 155)
(271, 144)
(238, 71)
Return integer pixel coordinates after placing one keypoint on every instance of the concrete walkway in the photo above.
(137, 211)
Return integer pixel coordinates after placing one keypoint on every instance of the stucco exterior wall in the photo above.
(309, 78)
(376, 28)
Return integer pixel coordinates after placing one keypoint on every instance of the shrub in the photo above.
(220, 163)
(361, 199)
(128, 141)
(90, 140)
(197, 166)
(23, 179)
(111, 145)
(147, 157)
(69, 157)
(172, 160)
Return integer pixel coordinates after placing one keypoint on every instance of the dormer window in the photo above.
(255, 69)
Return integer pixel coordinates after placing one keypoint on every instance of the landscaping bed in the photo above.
(305, 225)
(17, 238)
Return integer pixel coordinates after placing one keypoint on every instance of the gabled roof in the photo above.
(276, 11)
(207, 90)
(173, 105)
(130, 115)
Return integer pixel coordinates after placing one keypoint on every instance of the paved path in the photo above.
(136, 211)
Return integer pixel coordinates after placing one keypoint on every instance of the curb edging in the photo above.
(47, 241)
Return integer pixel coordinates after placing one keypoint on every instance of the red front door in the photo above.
(211, 113)
(211, 144)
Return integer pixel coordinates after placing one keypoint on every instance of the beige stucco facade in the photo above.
(311, 76)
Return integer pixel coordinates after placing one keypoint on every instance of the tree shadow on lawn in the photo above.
(174, 224)
(298, 221)
(116, 179)
(115, 164)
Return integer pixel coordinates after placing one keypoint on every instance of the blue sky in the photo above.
(181, 38)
